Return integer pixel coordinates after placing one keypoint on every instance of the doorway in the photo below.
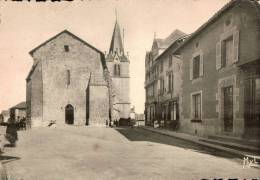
(228, 109)
(252, 107)
(69, 114)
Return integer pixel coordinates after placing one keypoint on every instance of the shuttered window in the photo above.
(196, 67)
(162, 66)
(170, 81)
(227, 49)
(170, 60)
(196, 98)
(227, 52)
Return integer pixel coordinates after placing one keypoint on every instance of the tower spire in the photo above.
(116, 44)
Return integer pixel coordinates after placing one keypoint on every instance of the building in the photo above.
(163, 81)
(220, 73)
(132, 113)
(70, 83)
(4, 116)
(139, 119)
(118, 65)
(18, 112)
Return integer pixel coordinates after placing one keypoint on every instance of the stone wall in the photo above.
(36, 96)
(57, 67)
(99, 105)
(121, 88)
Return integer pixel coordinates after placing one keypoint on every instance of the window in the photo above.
(227, 22)
(227, 52)
(162, 66)
(197, 45)
(196, 67)
(162, 86)
(252, 103)
(173, 111)
(170, 82)
(66, 48)
(227, 49)
(196, 106)
(68, 77)
(153, 89)
(117, 70)
(170, 60)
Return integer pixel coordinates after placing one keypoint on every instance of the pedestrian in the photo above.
(11, 133)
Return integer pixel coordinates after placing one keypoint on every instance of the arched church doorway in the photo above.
(69, 114)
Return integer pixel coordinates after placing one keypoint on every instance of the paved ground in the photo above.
(104, 153)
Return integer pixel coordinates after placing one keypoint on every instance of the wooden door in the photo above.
(228, 109)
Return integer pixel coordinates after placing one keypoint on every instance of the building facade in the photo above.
(4, 116)
(18, 112)
(70, 83)
(163, 81)
(220, 74)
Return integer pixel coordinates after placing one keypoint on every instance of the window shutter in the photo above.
(158, 86)
(172, 81)
(191, 69)
(236, 46)
(218, 55)
(201, 64)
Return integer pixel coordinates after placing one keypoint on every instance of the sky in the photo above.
(25, 25)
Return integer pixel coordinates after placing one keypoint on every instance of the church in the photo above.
(72, 82)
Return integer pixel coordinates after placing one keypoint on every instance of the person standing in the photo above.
(11, 133)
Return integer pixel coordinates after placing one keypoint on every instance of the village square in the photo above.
(102, 98)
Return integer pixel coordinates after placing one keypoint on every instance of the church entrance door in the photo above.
(69, 114)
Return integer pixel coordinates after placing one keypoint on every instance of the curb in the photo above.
(237, 153)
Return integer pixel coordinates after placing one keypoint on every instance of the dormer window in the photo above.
(66, 48)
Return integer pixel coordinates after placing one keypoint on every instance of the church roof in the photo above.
(116, 42)
(74, 36)
(65, 31)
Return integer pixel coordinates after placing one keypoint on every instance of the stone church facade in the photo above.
(70, 83)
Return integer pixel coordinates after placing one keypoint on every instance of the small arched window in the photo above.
(68, 77)
(117, 69)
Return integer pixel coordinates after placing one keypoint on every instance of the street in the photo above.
(72, 152)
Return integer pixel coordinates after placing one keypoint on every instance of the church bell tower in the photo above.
(118, 65)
